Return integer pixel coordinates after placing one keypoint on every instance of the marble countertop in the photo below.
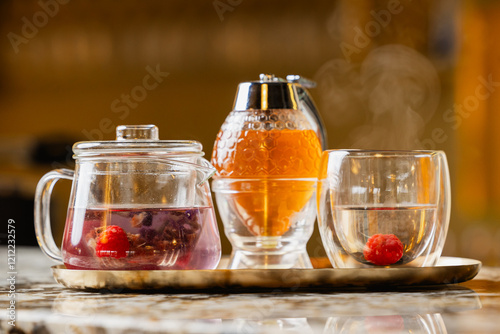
(43, 306)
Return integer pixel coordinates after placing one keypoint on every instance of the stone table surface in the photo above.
(44, 306)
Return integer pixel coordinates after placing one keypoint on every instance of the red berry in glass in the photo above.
(112, 242)
(413, 226)
(383, 249)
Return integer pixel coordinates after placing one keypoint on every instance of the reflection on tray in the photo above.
(291, 310)
(415, 323)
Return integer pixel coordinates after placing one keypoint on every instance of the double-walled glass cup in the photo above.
(383, 208)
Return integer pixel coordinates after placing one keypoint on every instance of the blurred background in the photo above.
(396, 74)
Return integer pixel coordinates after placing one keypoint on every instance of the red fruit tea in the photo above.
(144, 238)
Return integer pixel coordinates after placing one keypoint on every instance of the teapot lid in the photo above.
(137, 140)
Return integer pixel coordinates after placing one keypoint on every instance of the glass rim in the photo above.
(371, 152)
(145, 147)
(219, 179)
(258, 185)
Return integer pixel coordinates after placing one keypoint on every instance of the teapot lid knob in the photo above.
(137, 132)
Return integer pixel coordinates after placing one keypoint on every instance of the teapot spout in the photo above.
(205, 171)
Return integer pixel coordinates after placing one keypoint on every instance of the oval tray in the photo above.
(449, 270)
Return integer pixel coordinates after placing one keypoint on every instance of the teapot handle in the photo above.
(42, 211)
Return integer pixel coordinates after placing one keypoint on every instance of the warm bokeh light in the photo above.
(391, 75)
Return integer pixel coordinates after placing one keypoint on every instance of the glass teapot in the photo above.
(137, 203)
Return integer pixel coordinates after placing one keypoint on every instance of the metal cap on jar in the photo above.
(269, 92)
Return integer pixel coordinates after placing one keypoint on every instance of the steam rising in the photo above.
(384, 103)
